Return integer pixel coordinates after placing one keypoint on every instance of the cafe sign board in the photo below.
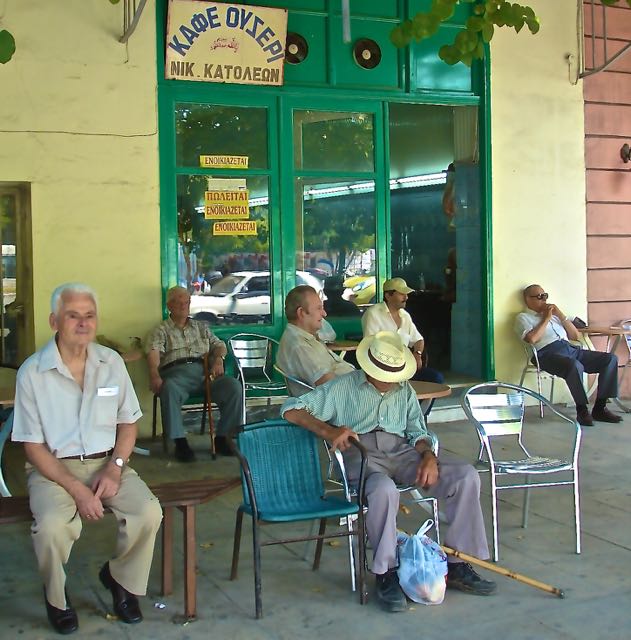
(223, 42)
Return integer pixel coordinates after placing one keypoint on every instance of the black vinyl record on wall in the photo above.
(296, 48)
(367, 53)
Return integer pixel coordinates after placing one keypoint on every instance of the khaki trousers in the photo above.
(57, 525)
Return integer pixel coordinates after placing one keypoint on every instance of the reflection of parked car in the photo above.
(243, 296)
(360, 289)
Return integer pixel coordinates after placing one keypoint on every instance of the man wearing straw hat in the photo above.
(384, 416)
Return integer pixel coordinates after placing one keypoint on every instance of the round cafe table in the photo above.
(429, 391)
(342, 346)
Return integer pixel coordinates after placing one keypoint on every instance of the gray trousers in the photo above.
(569, 362)
(392, 461)
(184, 380)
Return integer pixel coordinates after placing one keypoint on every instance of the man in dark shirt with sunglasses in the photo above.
(549, 330)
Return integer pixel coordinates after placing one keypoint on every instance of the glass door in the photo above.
(16, 282)
(224, 192)
(338, 202)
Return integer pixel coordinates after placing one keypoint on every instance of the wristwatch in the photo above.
(119, 462)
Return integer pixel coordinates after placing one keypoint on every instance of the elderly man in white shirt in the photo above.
(76, 413)
(548, 330)
(390, 315)
(300, 353)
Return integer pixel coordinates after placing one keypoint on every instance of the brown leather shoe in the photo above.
(63, 621)
(604, 415)
(125, 604)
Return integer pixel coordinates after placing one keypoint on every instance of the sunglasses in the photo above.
(540, 296)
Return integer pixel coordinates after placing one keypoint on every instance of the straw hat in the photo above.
(397, 284)
(385, 357)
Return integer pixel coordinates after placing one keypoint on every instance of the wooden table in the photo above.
(429, 391)
(342, 346)
(614, 336)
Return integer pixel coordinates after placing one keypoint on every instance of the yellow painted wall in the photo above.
(538, 173)
(78, 121)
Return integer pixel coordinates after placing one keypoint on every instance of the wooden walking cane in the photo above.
(208, 400)
(505, 572)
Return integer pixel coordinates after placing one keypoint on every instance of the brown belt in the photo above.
(181, 361)
(92, 456)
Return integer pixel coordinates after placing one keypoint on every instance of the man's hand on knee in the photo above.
(88, 504)
(427, 470)
(107, 483)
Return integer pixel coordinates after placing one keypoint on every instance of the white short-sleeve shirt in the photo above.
(51, 408)
(378, 318)
(526, 321)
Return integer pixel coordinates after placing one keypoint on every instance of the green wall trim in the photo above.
(484, 113)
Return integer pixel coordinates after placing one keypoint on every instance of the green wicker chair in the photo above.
(282, 482)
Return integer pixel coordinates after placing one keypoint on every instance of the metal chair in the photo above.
(253, 355)
(5, 431)
(497, 411)
(534, 367)
(201, 403)
(626, 324)
(282, 482)
(293, 384)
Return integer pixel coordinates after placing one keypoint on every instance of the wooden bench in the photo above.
(183, 496)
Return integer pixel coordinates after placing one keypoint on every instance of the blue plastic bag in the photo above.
(422, 566)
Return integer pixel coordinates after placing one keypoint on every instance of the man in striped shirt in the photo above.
(377, 407)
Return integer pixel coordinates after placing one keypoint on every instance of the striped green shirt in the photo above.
(351, 401)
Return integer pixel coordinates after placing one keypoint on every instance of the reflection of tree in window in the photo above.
(342, 227)
(336, 140)
(220, 130)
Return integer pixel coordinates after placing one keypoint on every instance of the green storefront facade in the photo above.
(347, 177)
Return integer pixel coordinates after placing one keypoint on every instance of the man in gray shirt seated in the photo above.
(548, 330)
(300, 353)
(379, 408)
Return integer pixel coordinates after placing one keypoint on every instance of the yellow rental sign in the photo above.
(235, 228)
(224, 42)
(229, 205)
(224, 162)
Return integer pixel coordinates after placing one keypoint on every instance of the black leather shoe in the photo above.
(462, 576)
(125, 604)
(222, 447)
(389, 592)
(584, 417)
(63, 621)
(183, 452)
(604, 415)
